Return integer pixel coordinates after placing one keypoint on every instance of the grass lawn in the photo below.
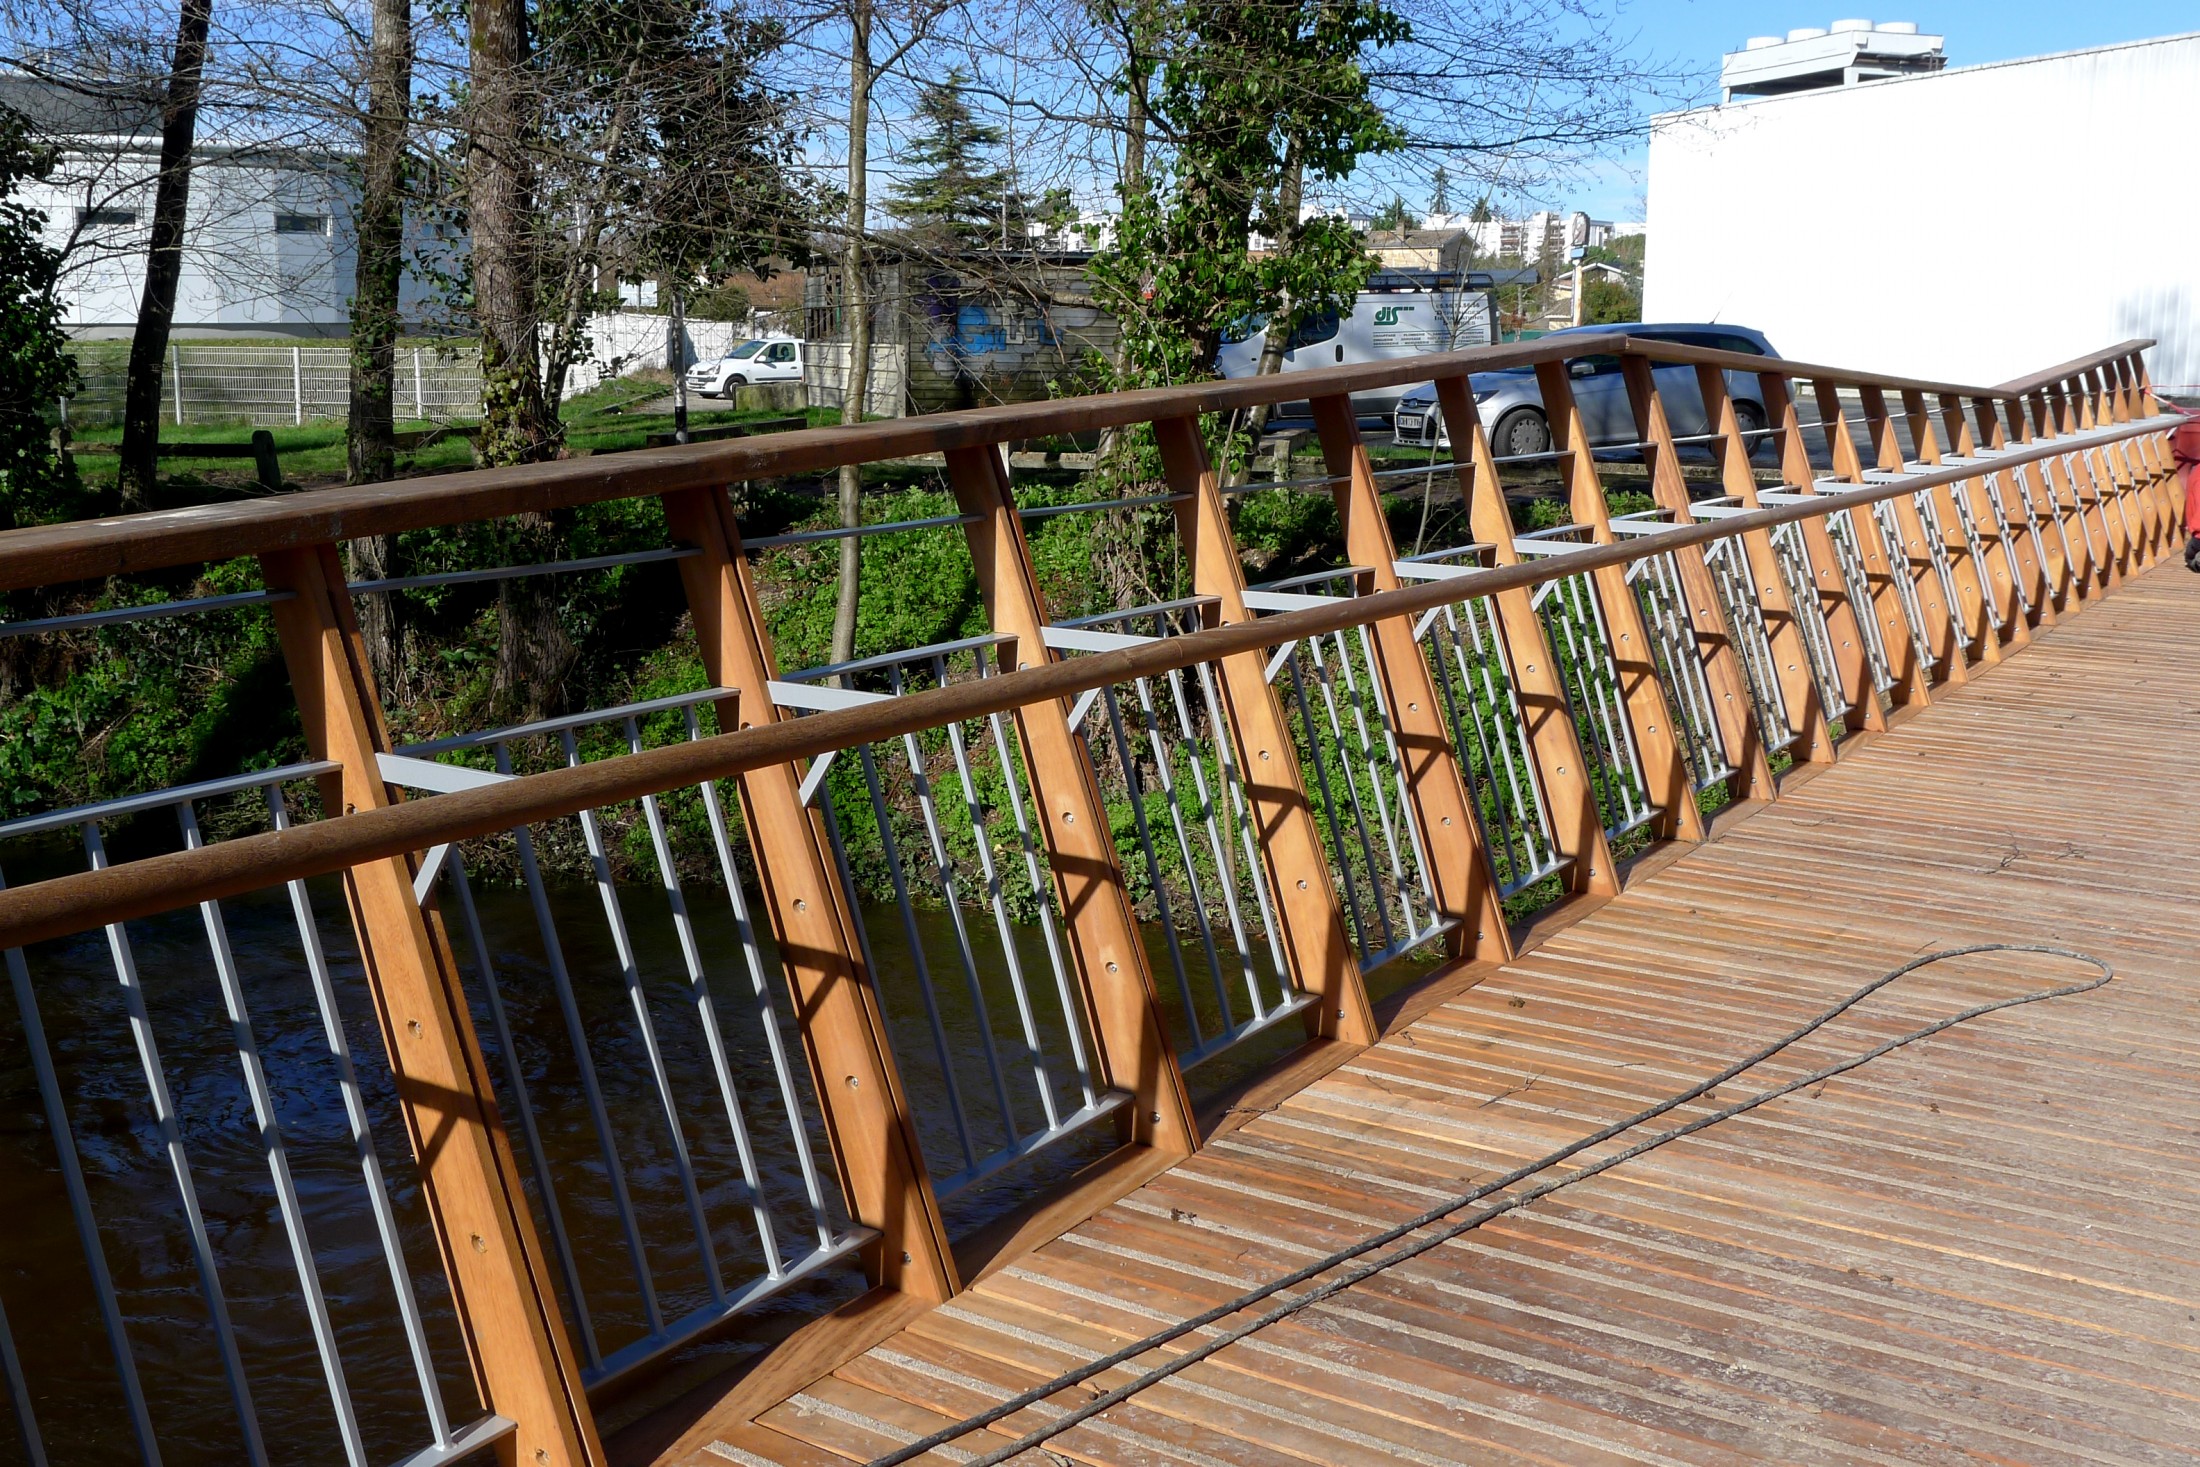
(312, 453)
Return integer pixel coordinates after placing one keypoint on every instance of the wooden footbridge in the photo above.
(1065, 984)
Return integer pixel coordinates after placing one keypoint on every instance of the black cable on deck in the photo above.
(1469, 1223)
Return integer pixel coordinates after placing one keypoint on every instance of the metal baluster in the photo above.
(2000, 505)
(1134, 787)
(1218, 850)
(767, 1017)
(1936, 546)
(1533, 818)
(1035, 871)
(1240, 811)
(1415, 846)
(1325, 678)
(981, 838)
(278, 1160)
(1746, 626)
(454, 871)
(1345, 879)
(171, 1136)
(895, 870)
(1977, 548)
(87, 1225)
(1905, 583)
(19, 1392)
(706, 1013)
(630, 972)
(1857, 581)
(362, 1137)
(1468, 739)
(1682, 667)
(928, 808)
(1792, 555)
(576, 1030)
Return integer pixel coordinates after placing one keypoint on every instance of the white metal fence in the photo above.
(268, 386)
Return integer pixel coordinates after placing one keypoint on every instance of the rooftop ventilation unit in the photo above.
(1840, 55)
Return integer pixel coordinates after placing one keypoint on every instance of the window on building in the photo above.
(302, 224)
(105, 218)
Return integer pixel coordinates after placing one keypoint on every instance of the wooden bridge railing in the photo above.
(1118, 847)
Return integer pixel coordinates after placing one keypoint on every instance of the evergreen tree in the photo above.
(36, 372)
(1395, 215)
(958, 197)
(1439, 191)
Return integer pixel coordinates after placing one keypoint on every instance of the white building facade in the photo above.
(268, 238)
(1968, 225)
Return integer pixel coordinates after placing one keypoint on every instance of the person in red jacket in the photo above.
(2185, 444)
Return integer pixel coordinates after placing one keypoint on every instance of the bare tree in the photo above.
(378, 278)
(164, 255)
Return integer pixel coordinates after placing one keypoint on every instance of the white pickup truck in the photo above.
(763, 359)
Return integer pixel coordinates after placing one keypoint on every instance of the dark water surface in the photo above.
(46, 1285)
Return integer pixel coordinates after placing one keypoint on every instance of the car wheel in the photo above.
(736, 380)
(1751, 419)
(1521, 431)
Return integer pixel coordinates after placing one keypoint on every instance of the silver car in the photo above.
(1511, 405)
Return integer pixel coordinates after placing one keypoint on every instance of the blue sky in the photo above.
(1696, 32)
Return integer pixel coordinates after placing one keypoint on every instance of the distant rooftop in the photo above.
(1841, 55)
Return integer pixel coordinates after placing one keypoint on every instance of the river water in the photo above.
(145, 1233)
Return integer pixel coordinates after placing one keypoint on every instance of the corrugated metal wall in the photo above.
(1971, 226)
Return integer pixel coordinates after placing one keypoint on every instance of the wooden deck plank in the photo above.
(1975, 1250)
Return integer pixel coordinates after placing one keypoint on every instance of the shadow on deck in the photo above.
(1975, 1249)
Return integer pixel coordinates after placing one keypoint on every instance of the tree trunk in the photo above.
(370, 433)
(676, 359)
(179, 121)
(857, 302)
(1133, 178)
(1283, 323)
(516, 423)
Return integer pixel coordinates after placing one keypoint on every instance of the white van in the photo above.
(763, 359)
(1401, 313)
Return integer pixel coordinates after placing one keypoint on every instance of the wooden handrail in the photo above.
(43, 555)
(2052, 375)
(84, 900)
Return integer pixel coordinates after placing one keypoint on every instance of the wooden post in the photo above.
(2016, 499)
(1664, 766)
(1940, 619)
(2168, 498)
(1451, 827)
(1999, 574)
(1842, 619)
(2035, 422)
(1316, 942)
(1882, 561)
(1577, 826)
(2146, 454)
(2110, 476)
(1730, 701)
(1798, 688)
(1973, 623)
(1102, 929)
(523, 1361)
(2086, 485)
(866, 1115)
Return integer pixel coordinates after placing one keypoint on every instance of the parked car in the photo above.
(764, 359)
(1511, 405)
(1401, 313)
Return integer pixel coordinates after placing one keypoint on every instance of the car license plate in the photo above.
(1408, 424)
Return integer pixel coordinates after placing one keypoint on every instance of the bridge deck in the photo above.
(1977, 1248)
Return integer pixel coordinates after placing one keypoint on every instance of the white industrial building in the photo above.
(1963, 224)
(268, 241)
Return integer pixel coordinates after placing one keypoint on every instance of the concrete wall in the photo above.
(1972, 226)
